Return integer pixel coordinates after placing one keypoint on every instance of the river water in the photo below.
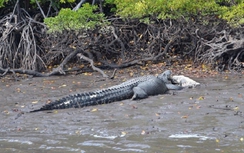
(205, 119)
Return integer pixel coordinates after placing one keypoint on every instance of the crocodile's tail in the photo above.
(89, 98)
(67, 102)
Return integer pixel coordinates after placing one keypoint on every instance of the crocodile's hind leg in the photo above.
(139, 93)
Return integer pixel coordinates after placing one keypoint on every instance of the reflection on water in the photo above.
(184, 136)
(204, 119)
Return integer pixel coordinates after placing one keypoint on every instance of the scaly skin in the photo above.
(153, 86)
(104, 96)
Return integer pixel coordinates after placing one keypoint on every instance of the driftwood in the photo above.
(58, 70)
(94, 67)
(92, 64)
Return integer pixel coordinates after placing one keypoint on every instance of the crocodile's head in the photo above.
(167, 77)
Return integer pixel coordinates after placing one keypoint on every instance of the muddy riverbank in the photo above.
(205, 119)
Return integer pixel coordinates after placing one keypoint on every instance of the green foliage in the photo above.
(165, 8)
(67, 1)
(82, 19)
(235, 16)
(230, 10)
(2, 3)
(53, 1)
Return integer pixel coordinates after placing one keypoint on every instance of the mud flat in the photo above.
(205, 119)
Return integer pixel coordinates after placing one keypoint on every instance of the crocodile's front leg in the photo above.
(153, 86)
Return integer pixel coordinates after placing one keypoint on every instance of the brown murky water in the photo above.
(203, 120)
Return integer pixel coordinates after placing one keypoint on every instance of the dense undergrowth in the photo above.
(37, 35)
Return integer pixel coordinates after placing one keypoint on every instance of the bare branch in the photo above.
(92, 64)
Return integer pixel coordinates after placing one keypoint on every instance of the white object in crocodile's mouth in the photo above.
(186, 81)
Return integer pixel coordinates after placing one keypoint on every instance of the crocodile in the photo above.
(151, 87)
(128, 89)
